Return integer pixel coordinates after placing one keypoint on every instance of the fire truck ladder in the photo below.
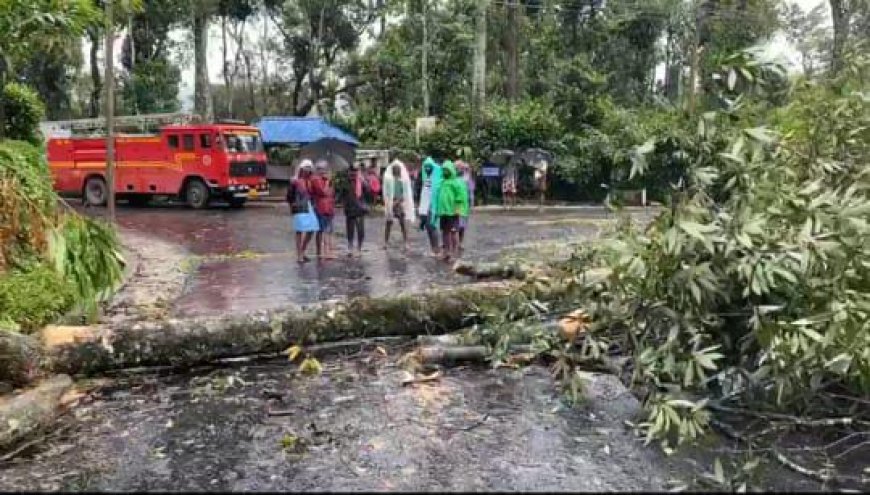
(97, 126)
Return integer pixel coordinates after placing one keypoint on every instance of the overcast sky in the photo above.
(777, 48)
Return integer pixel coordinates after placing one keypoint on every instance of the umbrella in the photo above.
(337, 154)
(501, 157)
(535, 157)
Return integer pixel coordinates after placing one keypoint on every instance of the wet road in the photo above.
(355, 428)
(244, 259)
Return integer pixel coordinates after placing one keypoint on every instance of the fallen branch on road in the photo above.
(195, 341)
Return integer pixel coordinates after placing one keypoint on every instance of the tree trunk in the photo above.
(512, 83)
(427, 104)
(228, 83)
(202, 101)
(96, 80)
(32, 410)
(3, 70)
(490, 270)
(479, 72)
(840, 14)
(184, 343)
(19, 358)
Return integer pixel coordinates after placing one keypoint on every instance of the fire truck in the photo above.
(194, 162)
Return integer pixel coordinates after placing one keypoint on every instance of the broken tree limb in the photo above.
(490, 270)
(32, 410)
(19, 358)
(193, 341)
(446, 355)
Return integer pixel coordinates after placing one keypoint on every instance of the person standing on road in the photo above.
(452, 203)
(509, 185)
(430, 179)
(323, 194)
(398, 200)
(356, 206)
(467, 176)
(304, 219)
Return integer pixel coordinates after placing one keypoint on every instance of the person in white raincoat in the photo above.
(398, 200)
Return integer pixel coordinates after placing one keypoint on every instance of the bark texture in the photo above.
(188, 342)
(490, 270)
(32, 410)
(19, 358)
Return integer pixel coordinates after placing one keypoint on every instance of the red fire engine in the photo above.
(196, 163)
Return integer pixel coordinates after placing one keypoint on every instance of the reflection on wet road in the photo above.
(248, 261)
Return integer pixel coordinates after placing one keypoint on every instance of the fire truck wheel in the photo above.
(197, 194)
(96, 192)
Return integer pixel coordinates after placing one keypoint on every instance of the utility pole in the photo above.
(425, 68)
(110, 110)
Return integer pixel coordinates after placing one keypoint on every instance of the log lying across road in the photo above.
(188, 342)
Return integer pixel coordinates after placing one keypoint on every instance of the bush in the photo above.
(27, 201)
(33, 298)
(24, 111)
(83, 251)
(755, 285)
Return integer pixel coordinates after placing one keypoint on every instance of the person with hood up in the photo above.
(452, 204)
(430, 184)
(304, 219)
(467, 176)
(398, 200)
(356, 205)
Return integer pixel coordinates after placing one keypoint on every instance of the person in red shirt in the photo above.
(323, 195)
(374, 181)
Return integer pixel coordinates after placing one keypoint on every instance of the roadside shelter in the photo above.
(285, 139)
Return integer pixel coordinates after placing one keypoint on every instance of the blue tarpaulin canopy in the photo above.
(300, 131)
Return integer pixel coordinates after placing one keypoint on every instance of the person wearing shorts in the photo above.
(305, 222)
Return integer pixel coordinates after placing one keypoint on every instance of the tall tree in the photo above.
(201, 12)
(512, 51)
(29, 25)
(318, 39)
(479, 64)
(150, 81)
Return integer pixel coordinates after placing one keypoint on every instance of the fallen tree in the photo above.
(188, 342)
(19, 358)
(31, 410)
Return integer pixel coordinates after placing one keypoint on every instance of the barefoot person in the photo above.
(356, 206)
(304, 219)
(509, 185)
(452, 203)
(398, 200)
(430, 178)
(467, 177)
(323, 194)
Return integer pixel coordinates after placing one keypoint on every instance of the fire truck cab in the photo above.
(195, 163)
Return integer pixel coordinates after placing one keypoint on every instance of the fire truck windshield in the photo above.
(243, 143)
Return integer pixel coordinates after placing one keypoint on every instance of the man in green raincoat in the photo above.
(426, 209)
(452, 203)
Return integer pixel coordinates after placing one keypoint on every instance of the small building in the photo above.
(285, 137)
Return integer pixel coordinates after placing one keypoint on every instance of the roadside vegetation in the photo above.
(52, 260)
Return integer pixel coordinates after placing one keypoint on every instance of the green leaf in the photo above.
(718, 472)
(761, 134)
(840, 363)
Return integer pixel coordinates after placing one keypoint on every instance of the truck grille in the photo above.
(247, 169)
